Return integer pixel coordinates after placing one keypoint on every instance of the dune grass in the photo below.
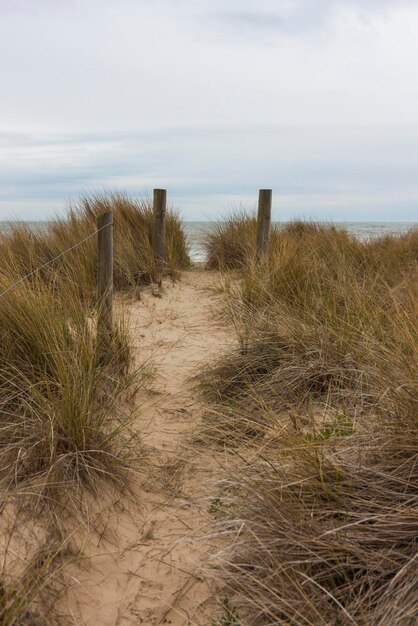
(65, 406)
(230, 243)
(23, 249)
(58, 397)
(319, 398)
(60, 406)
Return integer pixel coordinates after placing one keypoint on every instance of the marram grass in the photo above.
(65, 415)
(59, 410)
(24, 250)
(319, 399)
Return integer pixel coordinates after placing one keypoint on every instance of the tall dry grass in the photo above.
(23, 249)
(65, 410)
(320, 398)
(58, 399)
(231, 243)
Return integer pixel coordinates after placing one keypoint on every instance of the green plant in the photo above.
(217, 506)
(229, 615)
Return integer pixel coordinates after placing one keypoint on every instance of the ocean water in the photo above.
(196, 230)
(363, 230)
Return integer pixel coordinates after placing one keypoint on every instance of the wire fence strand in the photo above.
(76, 245)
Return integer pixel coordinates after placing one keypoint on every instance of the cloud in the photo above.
(287, 15)
(183, 94)
(315, 172)
(292, 16)
(36, 7)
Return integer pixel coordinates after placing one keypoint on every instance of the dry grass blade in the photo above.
(319, 399)
(24, 250)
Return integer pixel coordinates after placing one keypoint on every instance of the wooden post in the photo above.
(263, 222)
(159, 208)
(105, 278)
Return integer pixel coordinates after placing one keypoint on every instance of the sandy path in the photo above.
(149, 571)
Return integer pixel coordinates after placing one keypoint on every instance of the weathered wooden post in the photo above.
(263, 222)
(159, 209)
(105, 279)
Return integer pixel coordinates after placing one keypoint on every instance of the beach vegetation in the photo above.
(318, 402)
(25, 249)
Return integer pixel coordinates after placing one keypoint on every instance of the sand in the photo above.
(147, 564)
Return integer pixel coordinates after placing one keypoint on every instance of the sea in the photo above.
(363, 230)
(196, 230)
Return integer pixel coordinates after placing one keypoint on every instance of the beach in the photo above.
(236, 416)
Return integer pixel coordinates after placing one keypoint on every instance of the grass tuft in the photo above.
(24, 250)
(65, 406)
(60, 408)
(319, 397)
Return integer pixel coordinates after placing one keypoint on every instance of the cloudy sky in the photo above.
(211, 99)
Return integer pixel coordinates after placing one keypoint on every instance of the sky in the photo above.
(212, 100)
